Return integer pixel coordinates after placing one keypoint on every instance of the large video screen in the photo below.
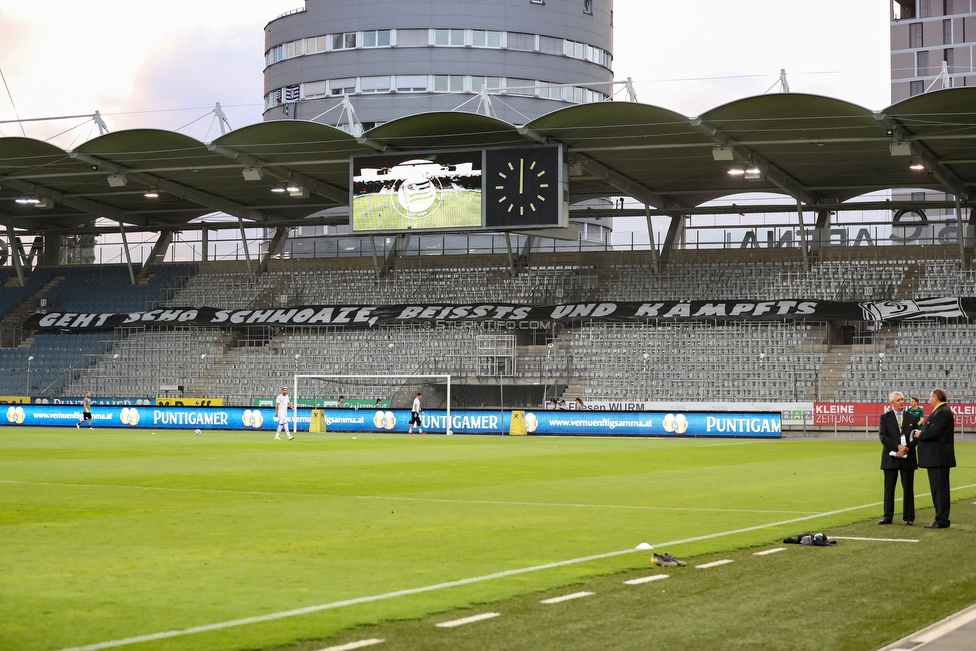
(417, 192)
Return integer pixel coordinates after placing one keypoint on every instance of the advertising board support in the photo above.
(317, 424)
(517, 427)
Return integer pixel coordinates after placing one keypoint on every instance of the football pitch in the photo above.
(225, 541)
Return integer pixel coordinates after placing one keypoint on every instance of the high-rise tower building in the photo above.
(933, 46)
(514, 59)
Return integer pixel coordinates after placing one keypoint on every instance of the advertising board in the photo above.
(584, 423)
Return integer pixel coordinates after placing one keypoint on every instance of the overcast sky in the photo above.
(165, 65)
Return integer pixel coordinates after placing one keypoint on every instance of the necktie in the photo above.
(898, 418)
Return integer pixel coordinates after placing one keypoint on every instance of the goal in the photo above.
(363, 390)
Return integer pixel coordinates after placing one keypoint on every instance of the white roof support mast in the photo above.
(222, 118)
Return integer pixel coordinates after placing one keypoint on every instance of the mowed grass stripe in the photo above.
(163, 635)
(84, 566)
(844, 598)
(398, 499)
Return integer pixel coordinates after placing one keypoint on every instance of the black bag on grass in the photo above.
(812, 539)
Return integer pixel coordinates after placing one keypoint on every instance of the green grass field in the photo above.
(116, 534)
(458, 209)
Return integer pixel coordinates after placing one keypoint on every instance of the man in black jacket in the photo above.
(937, 455)
(898, 457)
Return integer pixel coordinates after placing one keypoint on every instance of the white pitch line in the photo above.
(724, 561)
(647, 579)
(566, 597)
(448, 584)
(875, 539)
(354, 645)
(767, 552)
(467, 620)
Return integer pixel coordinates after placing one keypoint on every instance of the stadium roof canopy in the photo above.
(817, 150)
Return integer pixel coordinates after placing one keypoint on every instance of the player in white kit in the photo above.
(282, 403)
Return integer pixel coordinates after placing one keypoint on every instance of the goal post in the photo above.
(368, 386)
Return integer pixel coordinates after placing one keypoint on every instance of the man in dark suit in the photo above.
(937, 455)
(898, 458)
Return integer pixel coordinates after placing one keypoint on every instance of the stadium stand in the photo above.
(706, 360)
(60, 359)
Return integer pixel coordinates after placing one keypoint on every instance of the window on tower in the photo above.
(520, 41)
(346, 41)
(411, 37)
(411, 83)
(375, 84)
(485, 38)
(314, 89)
(376, 38)
(491, 83)
(922, 63)
(345, 86)
(915, 35)
(448, 83)
(901, 9)
(451, 37)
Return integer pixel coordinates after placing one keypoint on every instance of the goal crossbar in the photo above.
(316, 376)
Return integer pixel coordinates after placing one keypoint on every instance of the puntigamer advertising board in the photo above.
(582, 423)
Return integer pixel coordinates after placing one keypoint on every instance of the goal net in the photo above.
(375, 391)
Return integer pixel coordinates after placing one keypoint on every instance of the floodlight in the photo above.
(722, 153)
(151, 193)
(753, 173)
(738, 170)
(117, 180)
(917, 164)
(31, 199)
(900, 148)
(252, 173)
(279, 187)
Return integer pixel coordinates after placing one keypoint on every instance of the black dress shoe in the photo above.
(884, 521)
(937, 525)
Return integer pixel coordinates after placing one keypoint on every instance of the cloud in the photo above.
(184, 79)
(18, 46)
